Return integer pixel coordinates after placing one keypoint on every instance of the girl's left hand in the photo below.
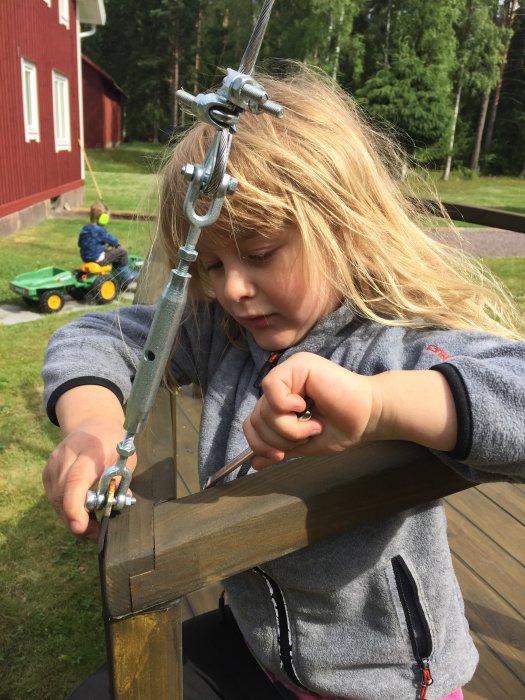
(346, 410)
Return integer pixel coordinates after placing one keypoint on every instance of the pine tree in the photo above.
(411, 56)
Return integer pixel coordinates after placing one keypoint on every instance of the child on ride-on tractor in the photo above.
(98, 245)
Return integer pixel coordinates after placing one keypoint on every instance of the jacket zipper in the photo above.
(284, 638)
(417, 624)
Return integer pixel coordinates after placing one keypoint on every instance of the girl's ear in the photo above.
(103, 219)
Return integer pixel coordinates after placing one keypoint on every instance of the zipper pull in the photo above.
(426, 679)
(273, 359)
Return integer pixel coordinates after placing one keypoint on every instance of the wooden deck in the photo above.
(487, 538)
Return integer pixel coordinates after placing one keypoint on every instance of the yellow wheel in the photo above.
(108, 291)
(50, 302)
(104, 290)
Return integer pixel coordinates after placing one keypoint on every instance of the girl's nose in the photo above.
(237, 285)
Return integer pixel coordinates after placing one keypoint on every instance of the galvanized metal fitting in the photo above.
(97, 500)
(247, 94)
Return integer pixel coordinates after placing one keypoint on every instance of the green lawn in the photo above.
(125, 176)
(492, 192)
(50, 620)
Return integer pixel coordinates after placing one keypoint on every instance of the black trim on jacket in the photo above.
(463, 407)
(79, 381)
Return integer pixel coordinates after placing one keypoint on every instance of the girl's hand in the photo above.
(74, 466)
(412, 405)
(92, 421)
(346, 408)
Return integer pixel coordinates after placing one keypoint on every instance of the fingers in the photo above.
(272, 434)
(341, 414)
(74, 467)
(81, 476)
(66, 486)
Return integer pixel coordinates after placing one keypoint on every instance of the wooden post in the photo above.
(144, 651)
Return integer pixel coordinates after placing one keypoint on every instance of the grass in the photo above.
(512, 272)
(503, 193)
(493, 192)
(50, 619)
(125, 176)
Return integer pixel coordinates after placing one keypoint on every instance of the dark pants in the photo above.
(117, 256)
(217, 665)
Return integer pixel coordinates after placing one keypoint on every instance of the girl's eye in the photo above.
(259, 258)
(213, 266)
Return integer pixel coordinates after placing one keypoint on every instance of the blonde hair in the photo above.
(324, 169)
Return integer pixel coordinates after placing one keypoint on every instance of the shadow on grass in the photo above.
(52, 633)
(50, 614)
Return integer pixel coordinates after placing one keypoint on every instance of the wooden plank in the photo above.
(492, 680)
(144, 653)
(492, 619)
(280, 510)
(188, 411)
(477, 551)
(493, 218)
(497, 524)
(507, 496)
(205, 599)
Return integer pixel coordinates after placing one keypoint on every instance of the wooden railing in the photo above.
(162, 548)
(493, 218)
(159, 551)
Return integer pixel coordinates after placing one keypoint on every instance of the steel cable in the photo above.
(247, 66)
(249, 58)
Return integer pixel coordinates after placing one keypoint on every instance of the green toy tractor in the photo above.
(48, 287)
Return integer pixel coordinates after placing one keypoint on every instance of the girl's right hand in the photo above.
(92, 421)
(76, 465)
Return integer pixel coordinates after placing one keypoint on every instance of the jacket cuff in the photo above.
(463, 408)
(79, 381)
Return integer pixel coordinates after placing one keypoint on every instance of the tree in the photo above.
(508, 146)
(410, 62)
(480, 43)
(508, 12)
(410, 83)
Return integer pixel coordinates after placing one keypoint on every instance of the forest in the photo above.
(446, 76)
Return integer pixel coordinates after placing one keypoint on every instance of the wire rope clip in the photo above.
(239, 92)
(100, 499)
(247, 94)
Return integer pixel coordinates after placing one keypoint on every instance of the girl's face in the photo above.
(264, 285)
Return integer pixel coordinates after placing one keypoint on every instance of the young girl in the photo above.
(315, 282)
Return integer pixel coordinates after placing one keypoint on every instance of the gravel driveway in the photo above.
(483, 241)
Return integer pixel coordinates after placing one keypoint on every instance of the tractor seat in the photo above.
(94, 268)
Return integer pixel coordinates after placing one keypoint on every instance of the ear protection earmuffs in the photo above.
(103, 219)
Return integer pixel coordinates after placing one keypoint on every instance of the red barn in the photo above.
(41, 165)
(102, 107)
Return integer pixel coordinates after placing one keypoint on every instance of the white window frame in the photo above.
(48, 2)
(63, 13)
(30, 101)
(61, 112)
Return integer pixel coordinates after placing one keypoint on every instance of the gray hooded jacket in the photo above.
(362, 614)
